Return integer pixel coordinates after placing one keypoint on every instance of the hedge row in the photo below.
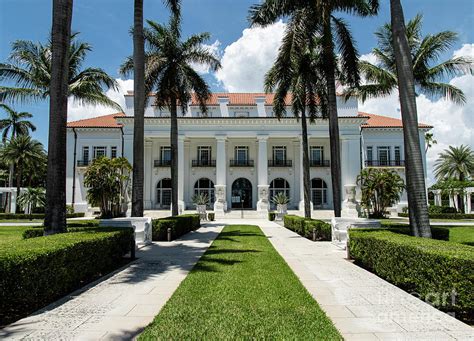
(454, 216)
(304, 227)
(22, 216)
(37, 271)
(77, 226)
(430, 268)
(179, 225)
(437, 232)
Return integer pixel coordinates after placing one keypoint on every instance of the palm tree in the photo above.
(429, 141)
(425, 51)
(169, 73)
(18, 124)
(333, 33)
(31, 199)
(455, 163)
(20, 151)
(297, 71)
(415, 176)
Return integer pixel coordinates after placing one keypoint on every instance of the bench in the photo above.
(141, 227)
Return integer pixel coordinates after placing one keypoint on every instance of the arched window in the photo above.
(278, 185)
(205, 186)
(163, 193)
(319, 195)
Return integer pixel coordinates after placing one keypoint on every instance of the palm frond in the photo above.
(349, 54)
(448, 91)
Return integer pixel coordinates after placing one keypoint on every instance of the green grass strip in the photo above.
(241, 289)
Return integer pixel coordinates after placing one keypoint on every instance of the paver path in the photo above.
(361, 305)
(122, 305)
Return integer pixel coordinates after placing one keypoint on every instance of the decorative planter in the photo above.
(282, 209)
(201, 210)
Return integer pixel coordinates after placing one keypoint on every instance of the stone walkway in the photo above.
(361, 305)
(120, 306)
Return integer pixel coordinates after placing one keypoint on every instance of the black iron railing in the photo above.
(319, 163)
(385, 163)
(241, 163)
(279, 163)
(162, 163)
(203, 163)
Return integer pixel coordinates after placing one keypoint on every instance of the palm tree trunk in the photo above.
(306, 177)
(174, 157)
(329, 62)
(461, 194)
(18, 187)
(139, 110)
(8, 204)
(415, 177)
(55, 218)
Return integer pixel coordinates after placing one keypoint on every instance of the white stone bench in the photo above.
(141, 226)
(340, 227)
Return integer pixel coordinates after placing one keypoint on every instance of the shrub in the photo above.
(179, 225)
(437, 232)
(433, 209)
(211, 216)
(21, 216)
(453, 216)
(37, 271)
(38, 231)
(33, 232)
(420, 265)
(304, 227)
(271, 216)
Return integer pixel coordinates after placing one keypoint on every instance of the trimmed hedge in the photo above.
(38, 231)
(211, 216)
(179, 225)
(304, 227)
(36, 271)
(454, 216)
(433, 209)
(22, 216)
(437, 232)
(430, 268)
(271, 216)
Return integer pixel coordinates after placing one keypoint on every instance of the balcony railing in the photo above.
(385, 163)
(203, 163)
(319, 163)
(279, 163)
(83, 163)
(162, 163)
(241, 163)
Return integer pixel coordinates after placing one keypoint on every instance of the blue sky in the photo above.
(105, 24)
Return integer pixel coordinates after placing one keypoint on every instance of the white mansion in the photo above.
(239, 154)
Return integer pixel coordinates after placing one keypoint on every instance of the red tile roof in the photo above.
(378, 121)
(106, 121)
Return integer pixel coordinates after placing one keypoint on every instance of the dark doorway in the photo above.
(241, 193)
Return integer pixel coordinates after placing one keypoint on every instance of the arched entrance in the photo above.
(163, 193)
(278, 185)
(242, 193)
(205, 186)
(319, 193)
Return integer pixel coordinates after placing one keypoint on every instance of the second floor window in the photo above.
(383, 155)
(241, 154)
(204, 154)
(241, 114)
(279, 154)
(113, 152)
(165, 154)
(317, 154)
(398, 156)
(370, 156)
(100, 151)
(85, 154)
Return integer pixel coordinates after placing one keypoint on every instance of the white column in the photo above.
(437, 197)
(223, 101)
(468, 201)
(350, 168)
(260, 102)
(263, 187)
(181, 173)
(301, 205)
(148, 173)
(220, 204)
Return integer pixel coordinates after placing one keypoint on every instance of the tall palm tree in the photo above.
(297, 71)
(430, 141)
(18, 124)
(428, 73)
(31, 199)
(333, 33)
(415, 176)
(169, 74)
(20, 151)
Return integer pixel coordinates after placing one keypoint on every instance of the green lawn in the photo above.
(462, 234)
(11, 233)
(241, 289)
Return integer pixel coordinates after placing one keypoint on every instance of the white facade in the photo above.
(239, 154)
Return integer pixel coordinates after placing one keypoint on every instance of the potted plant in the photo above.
(201, 200)
(281, 201)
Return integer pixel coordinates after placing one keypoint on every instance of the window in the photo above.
(205, 186)
(85, 154)
(163, 193)
(165, 155)
(204, 153)
(370, 156)
(99, 151)
(279, 155)
(113, 152)
(383, 156)
(317, 155)
(398, 156)
(319, 193)
(241, 154)
(278, 185)
(241, 114)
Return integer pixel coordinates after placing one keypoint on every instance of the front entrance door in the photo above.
(241, 193)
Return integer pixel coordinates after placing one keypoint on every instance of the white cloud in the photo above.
(453, 124)
(245, 61)
(76, 111)
(213, 48)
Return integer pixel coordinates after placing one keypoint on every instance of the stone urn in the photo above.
(282, 210)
